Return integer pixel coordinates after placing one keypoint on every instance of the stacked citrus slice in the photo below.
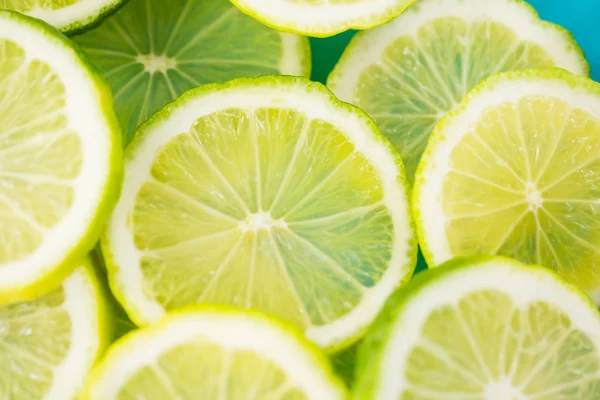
(151, 51)
(514, 172)
(408, 74)
(483, 328)
(212, 353)
(263, 193)
(49, 345)
(70, 16)
(322, 18)
(60, 157)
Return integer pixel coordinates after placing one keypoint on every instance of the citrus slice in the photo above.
(514, 172)
(48, 345)
(430, 57)
(69, 16)
(60, 157)
(214, 353)
(322, 18)
(485, 328)
(151, 51)
(264, 193)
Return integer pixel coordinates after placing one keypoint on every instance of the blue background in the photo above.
(581, 17)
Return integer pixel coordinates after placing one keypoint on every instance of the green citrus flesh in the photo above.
(522, 180)
(214, 354)
(152, 51)
(69, 16)
(262, 205)
(48, 345)
(484, 329)
(427, 64)
(55, 110)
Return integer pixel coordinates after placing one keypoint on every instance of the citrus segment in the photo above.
(266, 197)
(516, 165)
(214, 353)
(151, 52)
(429, 58)
(476, 329)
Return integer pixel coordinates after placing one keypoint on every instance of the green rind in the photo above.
(145, 129)
(359, 24)
(439, 132)
(572, 46)
(121, 345)
(57, 274)
(373, 350)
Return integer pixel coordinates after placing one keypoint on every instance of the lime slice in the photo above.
(343, 364)
(322, 18)
(48, 345)
(514, 172)
(151, 51)
(69, 16)
(264, 193)
(432, 55)
(211, 353)
(60, 157)
(483, 329)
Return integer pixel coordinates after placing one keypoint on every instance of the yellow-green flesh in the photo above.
(263, 209)
(524, 183)
(486, 347)
(39, 156)
(151, 51)
(34, 338)
(420, 78)
(200, 369)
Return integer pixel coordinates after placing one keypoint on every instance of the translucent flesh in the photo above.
(484, 344)
(194, 42)
(524, 183)
(264, 209)
(200, 369)
(34, 338)
(420, 78)
(28, 5)
(39, 156)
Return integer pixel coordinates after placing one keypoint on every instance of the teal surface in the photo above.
(581, 17)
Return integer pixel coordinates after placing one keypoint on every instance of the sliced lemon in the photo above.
(322, 18)
(49, 345)
(514, 172)
(263, 193)
(60, 157)
(151, 51)
(483, 329)
(213, 353)
(410, 73)
(69, 16)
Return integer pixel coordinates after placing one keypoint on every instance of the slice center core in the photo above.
(261, 220)
(503, 391)
(534, 197)
(156, 63)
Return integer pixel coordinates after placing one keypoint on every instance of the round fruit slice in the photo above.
(322, 18)
(483, 329)
(69, 16)
(60, 157)
(151, 51)
(211, 353)
(514, 172)
(48, 345)
(431, 56)
(264, 193)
